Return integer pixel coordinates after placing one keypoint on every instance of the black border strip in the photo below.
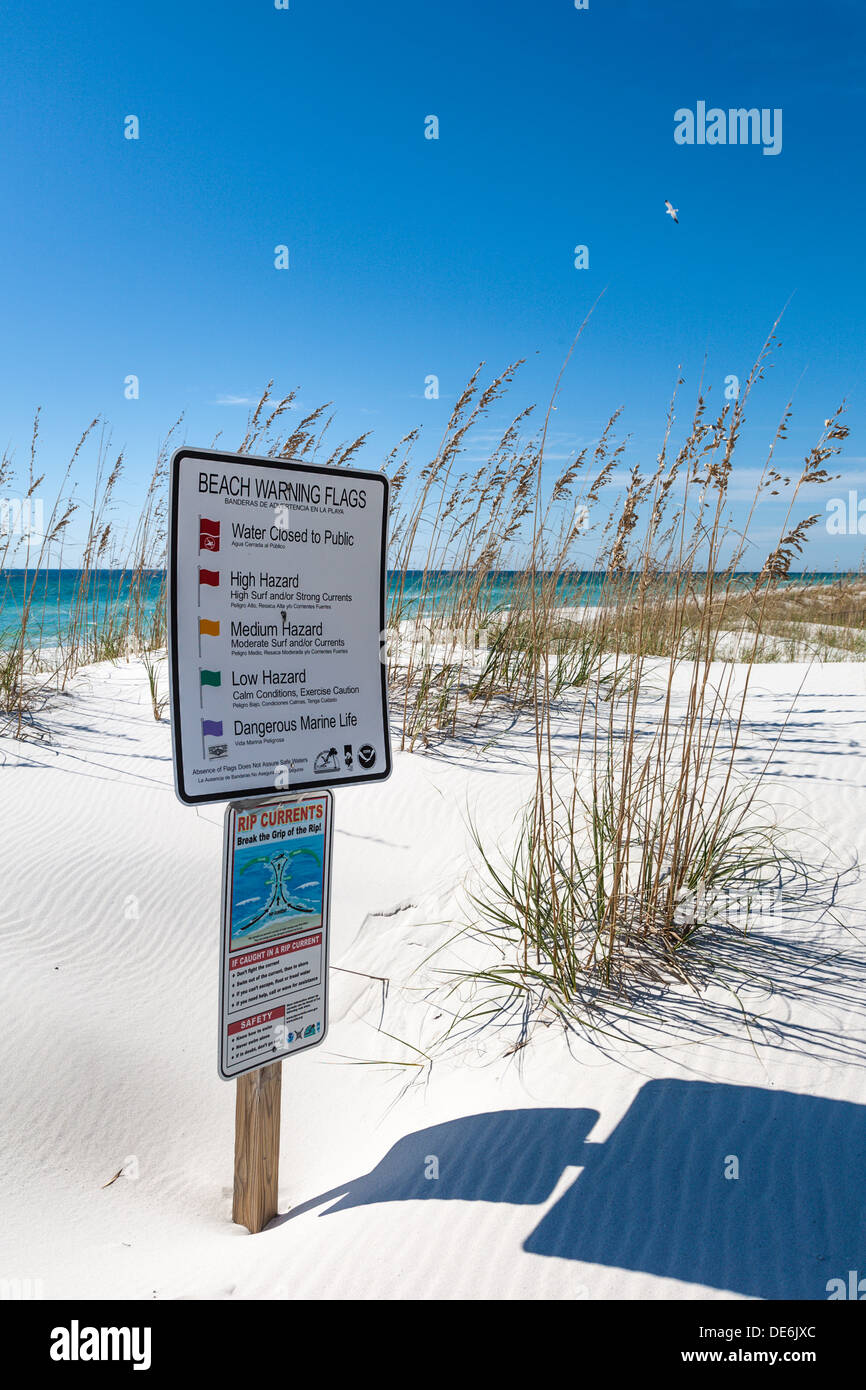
(291, 465)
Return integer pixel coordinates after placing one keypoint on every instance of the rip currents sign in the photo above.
(276, 626)
(275, 929)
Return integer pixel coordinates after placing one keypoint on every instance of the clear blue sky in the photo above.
(411, 256)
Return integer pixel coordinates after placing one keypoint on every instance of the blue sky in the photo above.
(411, 257)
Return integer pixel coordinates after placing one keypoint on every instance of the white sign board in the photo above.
(276, 626)
(276, 904)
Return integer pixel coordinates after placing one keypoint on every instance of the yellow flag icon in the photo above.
(207, 627)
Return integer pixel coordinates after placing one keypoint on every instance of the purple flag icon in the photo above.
(211, 726)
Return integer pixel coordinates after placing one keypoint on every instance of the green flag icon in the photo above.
(211, 678)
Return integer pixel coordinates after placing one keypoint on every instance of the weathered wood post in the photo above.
(257, 1147)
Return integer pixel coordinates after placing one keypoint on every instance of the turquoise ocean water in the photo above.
(55, 591)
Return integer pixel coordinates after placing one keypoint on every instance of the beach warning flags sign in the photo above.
(278, 635)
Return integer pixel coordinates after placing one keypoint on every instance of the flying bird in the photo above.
(671, 210)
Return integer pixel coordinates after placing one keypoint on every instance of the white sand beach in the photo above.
(579, 1166)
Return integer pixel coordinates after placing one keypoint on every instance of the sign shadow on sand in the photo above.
(660, 1195)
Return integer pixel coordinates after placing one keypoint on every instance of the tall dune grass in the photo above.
(111, 612)
(622, 845)
(606, 604)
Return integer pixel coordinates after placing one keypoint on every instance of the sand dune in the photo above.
(575, 1169)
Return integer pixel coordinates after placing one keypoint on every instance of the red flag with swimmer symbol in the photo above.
(208, 534)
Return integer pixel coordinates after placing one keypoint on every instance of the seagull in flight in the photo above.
(671, 210)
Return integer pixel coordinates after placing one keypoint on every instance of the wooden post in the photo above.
(257, 1147)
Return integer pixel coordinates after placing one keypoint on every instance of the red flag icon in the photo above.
(208, 534)
(211, 577)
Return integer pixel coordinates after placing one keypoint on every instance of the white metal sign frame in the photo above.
(276, 605)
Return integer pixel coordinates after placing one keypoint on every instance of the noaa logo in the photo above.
(366, 755)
